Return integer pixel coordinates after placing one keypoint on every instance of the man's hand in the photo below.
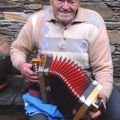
(27, 72)
(96, 114)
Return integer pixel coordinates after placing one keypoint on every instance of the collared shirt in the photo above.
(84, 41)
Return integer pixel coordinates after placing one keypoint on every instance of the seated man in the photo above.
(65, 29)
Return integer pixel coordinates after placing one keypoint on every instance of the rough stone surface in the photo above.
(12, 113)
(11, 95)
(101, 8)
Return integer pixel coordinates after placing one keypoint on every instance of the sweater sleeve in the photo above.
(101, 61)
(23, 45)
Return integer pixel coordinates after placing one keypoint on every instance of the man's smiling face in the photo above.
(65, 10)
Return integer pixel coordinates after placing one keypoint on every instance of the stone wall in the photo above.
(14, 13)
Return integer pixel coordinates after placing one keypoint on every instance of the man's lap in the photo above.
(113, 107)
(112, 111)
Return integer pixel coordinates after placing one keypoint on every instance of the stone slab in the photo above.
(11, 95)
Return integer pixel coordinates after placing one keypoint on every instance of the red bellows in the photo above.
(72, 75)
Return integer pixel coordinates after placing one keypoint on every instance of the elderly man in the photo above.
(65, 29)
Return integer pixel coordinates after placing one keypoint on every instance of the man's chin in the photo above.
(65, 20)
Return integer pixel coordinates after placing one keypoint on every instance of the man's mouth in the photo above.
(65, 13)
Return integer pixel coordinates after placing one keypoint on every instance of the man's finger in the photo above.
(32, 80)
(96, 114)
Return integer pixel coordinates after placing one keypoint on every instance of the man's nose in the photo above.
(66, 5)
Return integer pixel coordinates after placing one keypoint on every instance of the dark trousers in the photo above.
(38, 117)
(112, 112)
(113, 107)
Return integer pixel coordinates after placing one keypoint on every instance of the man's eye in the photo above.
(69, 1)
(72, 1)
(61, 0)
